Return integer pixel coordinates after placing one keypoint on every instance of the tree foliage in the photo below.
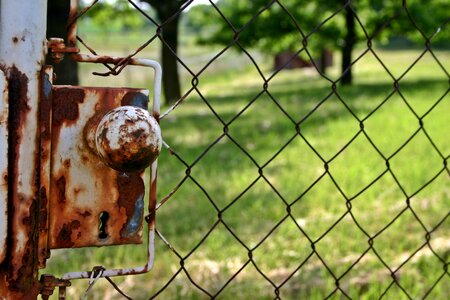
(115, 16)
(275, 30)
(420, 18)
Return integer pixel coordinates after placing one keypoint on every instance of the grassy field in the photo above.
(254, 203)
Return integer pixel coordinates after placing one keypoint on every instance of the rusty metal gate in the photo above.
(73, 164)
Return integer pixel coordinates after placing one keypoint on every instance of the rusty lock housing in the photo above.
(102, 140)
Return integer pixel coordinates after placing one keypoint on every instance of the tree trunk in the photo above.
(349, 42)
(171, 81)
(57, 13)
(323, 61)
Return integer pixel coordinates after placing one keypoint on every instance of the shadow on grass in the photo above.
(225, 171)
(298, 102)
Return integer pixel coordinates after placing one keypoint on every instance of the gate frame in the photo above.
(23, 48)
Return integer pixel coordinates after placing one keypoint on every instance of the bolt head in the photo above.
(128, 139)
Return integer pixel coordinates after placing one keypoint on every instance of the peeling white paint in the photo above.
(3, 164)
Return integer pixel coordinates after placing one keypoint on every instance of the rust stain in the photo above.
(22, 257)
(16, 39)
(43, 215)
(84, 158)
(77, 190)
(18, 102)
(139, 134)
(45, 154)
(61, 186)
(28, 220)
(64, 237)
(66, 163)
(85, 214)
(45, 106)
(101, 59)
(22, 275)
(65, 105)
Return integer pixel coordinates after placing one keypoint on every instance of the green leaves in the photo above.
(114, 16)
(282, 25)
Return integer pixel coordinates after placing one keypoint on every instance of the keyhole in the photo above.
(103, 218)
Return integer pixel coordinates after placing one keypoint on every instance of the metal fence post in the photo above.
(22, 52)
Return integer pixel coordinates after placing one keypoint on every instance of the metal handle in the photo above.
(128, 139)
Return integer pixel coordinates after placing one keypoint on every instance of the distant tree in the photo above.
(430, 18)
(115, 16)
(166, 10)
(274, 30)
(197, 19)
(383, 19)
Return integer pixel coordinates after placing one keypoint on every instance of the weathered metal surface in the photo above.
(120, 63)
(45, 107)
(3, 164)
(22, 53)
(57, 49)
(128, 139)
(49, 283)
(90, 203)
(150, 218)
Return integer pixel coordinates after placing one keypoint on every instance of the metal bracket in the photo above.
(48, 284)
(150, 218)
(58, 48)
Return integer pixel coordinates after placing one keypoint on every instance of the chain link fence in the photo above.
(254, 203)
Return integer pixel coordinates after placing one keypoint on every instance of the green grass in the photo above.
(225, 171)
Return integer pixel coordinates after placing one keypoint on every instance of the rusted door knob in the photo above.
(128, 139)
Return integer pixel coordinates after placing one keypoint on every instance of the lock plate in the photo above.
(90, 203)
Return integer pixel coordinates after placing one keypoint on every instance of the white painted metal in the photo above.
(23, 48)
(3, 164)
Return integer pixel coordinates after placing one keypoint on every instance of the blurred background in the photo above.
(311, 142)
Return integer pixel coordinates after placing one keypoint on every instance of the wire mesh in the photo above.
(310, 256)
